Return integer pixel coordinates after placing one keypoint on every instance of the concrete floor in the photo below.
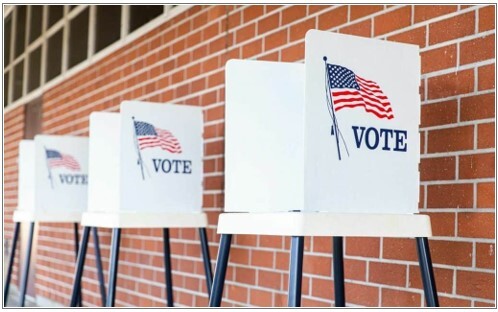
(14, 299)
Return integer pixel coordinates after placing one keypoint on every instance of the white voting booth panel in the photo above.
(53, 173)
(146, 167)
(281, 154)
(377, 125)
(264, 136)
(26, 201)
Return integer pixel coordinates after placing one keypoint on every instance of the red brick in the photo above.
(451, 84)
(293, 13)
(476, 225)
(268, 241)
(387, 273)
(245, 33)
(398, 298)
(358, 11)
(313, 303)
(444, 279)
(477, 107)
(453, 302)
(392, 21)
(262, 258)
(246, 240)
(476, 50)
(437, 168)
(282, 260)
(268, 23)
(298, 31)
(355, 269)
(477, 166)
(476, 284)
(269, 279)
(440, 113)
(399, 249)
(487, 18)
(316, 8)
(239, 255)
(451, 253)
(486, 135)
(438, 59)
(318, 265)
(322, 244)
(363, 246)
(362, 294)
(450, 196)
(362, 29)
(485, 255)
(426, 12)
(333, 18)
(245, 275)
(486, 77)
(252, 48)
(270, 8)
(293, 53)
(452, 28)
(486, 195)
(484, 304)
(237, 293)
(414, 36)
(322, 288)
(422, 151)
(276, 39)
(443, 224)
(260, 298)
(252, 12)
(452, 139)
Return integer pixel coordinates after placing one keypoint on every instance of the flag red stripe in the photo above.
(361, 103)
(367, 110)
(348, 91)
(170, 144)
(338, 100)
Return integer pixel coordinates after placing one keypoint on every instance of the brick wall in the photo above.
(182, 61)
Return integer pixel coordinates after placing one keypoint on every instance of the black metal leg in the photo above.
(113, 270)
(220, 271)
(98, 261)
(167, 268)
(25, 273)
(424, 258)
(76, 247)
(80, 263)
(340, 298)
(207, 259)
(12, 257)
(296, 271)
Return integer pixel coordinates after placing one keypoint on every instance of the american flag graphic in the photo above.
(149, 136)
(350, 90)
(57, 159)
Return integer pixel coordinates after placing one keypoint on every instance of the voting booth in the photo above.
(325, 148)
(145, 171)
(53, 178)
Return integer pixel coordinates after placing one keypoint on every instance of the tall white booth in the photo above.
(145, 171)
(326, 148)
(53, 177)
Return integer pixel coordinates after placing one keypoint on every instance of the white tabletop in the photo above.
(325, 224)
